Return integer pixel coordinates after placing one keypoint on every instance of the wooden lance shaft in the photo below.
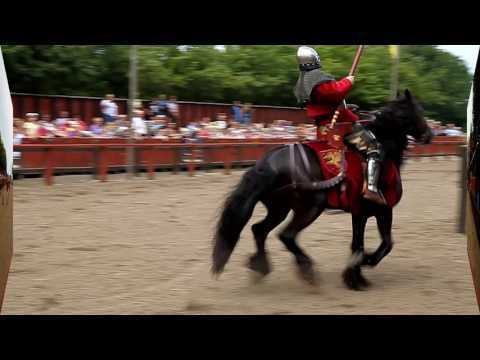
(352, 72)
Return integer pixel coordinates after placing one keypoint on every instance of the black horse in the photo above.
(392, 124)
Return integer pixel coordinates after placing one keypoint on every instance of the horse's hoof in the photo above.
(216, 271)
(307, 273)
(256, 278)
(259, 264)
(364, 283)
(354, 280)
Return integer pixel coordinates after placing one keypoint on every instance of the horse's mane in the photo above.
(390, 130)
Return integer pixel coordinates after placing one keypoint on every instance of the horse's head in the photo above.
(408, 115)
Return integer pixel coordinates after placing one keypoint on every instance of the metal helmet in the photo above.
(307, 58)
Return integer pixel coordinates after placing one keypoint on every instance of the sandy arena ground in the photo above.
(143, 247)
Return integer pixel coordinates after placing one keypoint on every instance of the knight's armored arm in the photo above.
(333, 91)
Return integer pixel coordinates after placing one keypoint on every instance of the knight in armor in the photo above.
(322, 95)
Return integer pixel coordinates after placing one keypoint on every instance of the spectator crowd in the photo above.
(160, 121)
(444, 130)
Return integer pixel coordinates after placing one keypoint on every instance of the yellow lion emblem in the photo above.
(333, 158)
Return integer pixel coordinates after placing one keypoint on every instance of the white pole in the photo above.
(132, 95)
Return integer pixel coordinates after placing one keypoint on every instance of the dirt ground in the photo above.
(143, 247)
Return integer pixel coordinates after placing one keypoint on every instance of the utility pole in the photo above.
(132, 95)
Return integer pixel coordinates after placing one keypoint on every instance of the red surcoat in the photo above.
(325, 99)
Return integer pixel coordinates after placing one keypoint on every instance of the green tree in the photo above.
(261, 74)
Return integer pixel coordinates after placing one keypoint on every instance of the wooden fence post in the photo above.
(177, 159)
(227, 159)
(96, 163)
(48, 173)
(191, 161)
(103, 164)
(150, 163)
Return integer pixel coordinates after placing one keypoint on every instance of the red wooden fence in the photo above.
(48, 156)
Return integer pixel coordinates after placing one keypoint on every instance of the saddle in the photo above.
(344, 169)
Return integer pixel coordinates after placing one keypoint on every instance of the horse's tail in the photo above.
(237, 210)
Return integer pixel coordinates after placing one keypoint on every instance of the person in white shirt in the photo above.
(138, 124)
(31, 125)
(109, 108)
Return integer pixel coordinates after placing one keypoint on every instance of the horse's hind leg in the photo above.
(301, 219)
(276, 214)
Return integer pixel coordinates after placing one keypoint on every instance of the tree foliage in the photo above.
(261, 74)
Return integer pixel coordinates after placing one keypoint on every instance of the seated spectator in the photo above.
(155, 125)
(222, 117)
(82, 126)
(452, 130)
(221, 122)
(436, 127)
(203, 132)
(162, 134)
(31, 125)
(138, 124)
(18, 125)
(152, 125)
(205, 121)
(71, 129)
(148, 114)
(235, 131)
(109, 108)
(162, 121)
(97, 127)
(61, 121)
(193, 126)
(122, 120)
(47, 129)
(110, 129)
(171, 131)
(123, 126)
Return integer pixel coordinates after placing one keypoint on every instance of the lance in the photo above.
(352, 72)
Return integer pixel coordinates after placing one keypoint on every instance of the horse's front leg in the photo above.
(352, 275)
(384, 224)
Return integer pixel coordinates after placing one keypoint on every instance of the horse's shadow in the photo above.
(390, 277)
(395, 275)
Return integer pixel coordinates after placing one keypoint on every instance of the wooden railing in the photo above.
(100, 157)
